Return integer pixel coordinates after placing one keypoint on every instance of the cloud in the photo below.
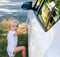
(4, 0)
(0, 15)
(11, 3)
(7, 10)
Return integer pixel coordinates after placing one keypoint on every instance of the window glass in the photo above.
(49, 13)
(37, 4)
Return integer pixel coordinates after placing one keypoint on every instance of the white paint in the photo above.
(41, 43)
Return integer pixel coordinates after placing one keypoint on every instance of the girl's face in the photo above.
(14, 26)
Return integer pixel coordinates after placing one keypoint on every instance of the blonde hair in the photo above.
(10, 21)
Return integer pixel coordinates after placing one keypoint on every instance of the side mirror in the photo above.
(27, 5)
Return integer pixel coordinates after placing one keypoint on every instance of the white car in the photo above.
(43, 32)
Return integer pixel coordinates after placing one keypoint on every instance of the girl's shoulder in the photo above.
(11, 32)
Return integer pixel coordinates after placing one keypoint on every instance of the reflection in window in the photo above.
(49, 14)
(37, 4)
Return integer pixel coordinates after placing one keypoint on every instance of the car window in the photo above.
(37, 4)
(48, 14)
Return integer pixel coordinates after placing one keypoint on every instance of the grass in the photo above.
(22, 41)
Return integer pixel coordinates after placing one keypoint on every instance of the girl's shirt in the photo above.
(12, 40)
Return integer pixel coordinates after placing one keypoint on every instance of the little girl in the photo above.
(12, 37)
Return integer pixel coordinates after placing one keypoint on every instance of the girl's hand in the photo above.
(25, 30)
(22, 29)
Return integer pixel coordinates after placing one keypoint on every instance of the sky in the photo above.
(11, 7)
(15, 0)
